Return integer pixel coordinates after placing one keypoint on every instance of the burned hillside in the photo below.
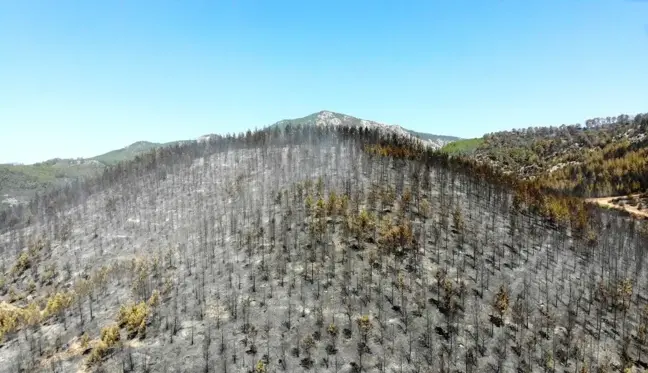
(324, 249)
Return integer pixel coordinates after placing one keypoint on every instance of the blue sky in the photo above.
(78, 78)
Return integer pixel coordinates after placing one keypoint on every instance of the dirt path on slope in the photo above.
(608, 203)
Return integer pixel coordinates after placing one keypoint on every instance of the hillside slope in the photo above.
(606, 157)
(19, 183)
(126, 153)
(323, 249)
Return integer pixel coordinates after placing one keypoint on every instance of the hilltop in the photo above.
(329, 118)
(127, 153)
(318, 248)
(19, 183)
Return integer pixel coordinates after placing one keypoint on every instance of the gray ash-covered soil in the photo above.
(311, 254)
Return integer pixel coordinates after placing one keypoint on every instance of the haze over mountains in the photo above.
(19, 182)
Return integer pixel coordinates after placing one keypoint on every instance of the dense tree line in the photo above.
(605, 157)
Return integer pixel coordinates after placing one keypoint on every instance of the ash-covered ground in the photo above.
(313, 255)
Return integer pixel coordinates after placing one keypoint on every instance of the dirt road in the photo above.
(607, 202)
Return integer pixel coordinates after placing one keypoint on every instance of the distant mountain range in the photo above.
(19, 183)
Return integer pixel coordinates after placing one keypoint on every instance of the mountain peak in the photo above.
(331, 118)
(141, 144)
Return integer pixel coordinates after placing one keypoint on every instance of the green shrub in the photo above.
(110, 335)
(22, 264)
(134, 317)
(58, 303)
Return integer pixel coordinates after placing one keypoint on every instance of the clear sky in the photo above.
(79, 78)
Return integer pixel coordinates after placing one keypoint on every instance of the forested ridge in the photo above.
(319, 248)
(604, 157)
(18, 182)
